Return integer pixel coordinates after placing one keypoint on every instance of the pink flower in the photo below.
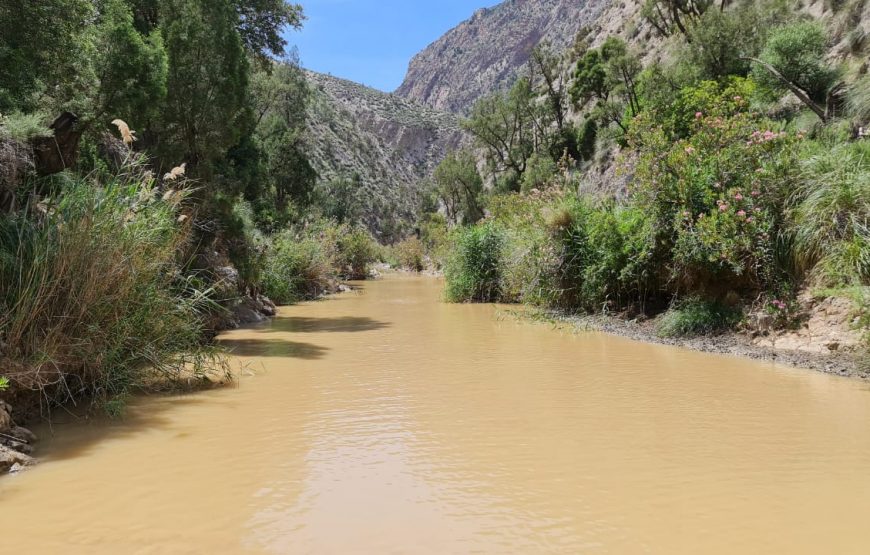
(749, 220)
(723, 207)
(741, 213)
(698, 115)
(757, 209)
(756, 193)
(689, 150)
(738, 196)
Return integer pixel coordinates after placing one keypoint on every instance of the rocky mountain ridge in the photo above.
(486, 52)
(387, 143)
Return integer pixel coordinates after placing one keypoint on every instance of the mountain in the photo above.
(388, 144)
(486, 52)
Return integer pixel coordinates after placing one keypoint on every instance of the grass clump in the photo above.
(694, 316)
(93, 299)
(473, 269)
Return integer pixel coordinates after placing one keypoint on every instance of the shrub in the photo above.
(92, 301)
(716, 199)
(296, 268)
(410, 254)
(830, 215)
(355, 251)
(473, 270)
(798, 51)
(697, 317)
(4, 383)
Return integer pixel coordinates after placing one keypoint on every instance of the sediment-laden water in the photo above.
(385, 421)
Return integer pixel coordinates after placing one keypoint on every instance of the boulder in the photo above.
(13, 461)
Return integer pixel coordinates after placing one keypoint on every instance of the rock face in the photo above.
(388, 142)
(486, 52)
(16, 443)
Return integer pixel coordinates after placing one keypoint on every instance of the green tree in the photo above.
(459, 186)
(793, 59)
(280, 97)
(132, 69)
(261, 24)
(41, 47)
(206, 110)
(504, 124)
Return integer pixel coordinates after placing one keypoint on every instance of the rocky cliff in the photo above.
(389, 142)
(487, 51)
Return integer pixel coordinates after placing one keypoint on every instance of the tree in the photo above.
(547, 66)
(280, 101)
(669, 16)
(261, 24)
(131, 69)
(793, 59)
(608, 75)
(207, 109)
(506, 125)
(41, 45)
(459, 186)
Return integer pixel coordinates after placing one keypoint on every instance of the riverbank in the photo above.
(734, 343)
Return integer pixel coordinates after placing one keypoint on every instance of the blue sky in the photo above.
(372, 41)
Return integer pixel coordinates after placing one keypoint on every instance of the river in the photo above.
(386, 421)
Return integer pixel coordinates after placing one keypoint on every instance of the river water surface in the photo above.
(385, 421)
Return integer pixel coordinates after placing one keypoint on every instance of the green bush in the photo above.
(798, 51)
(830, 214)
(296, 268)
(716, 199)
(4, 383)
(355, 251)
(410, 254)
(92, 300)
(473, 270)
(694, 317)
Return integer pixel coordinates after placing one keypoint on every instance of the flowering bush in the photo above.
(717, 196)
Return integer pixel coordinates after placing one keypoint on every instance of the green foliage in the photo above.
(356, 250)
(93, 300)
(695, 316)
(23, 127)
(830, 215)
(409, 254)
(132, 69)
(473, 269)
(459, 187)
(297, 268)
(339, 199)
(4, 383)
(206, 106)
(608, 75)
(540, 172)
(858, 100)
(39, 50)
(798, 51)
(717, 198)
(506, 125)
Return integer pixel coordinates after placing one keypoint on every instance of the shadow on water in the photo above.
(72, 437)
(345, 324)
(280, 348)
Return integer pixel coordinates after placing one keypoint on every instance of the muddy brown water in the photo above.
(385, 421)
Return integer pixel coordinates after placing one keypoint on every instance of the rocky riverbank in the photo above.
(16, 443)
(813, 353)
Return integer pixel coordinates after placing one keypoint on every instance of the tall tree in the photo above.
(206, 110)
(459, 186)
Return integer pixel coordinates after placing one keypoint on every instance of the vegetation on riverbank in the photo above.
(741, 178)
(126, 243)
